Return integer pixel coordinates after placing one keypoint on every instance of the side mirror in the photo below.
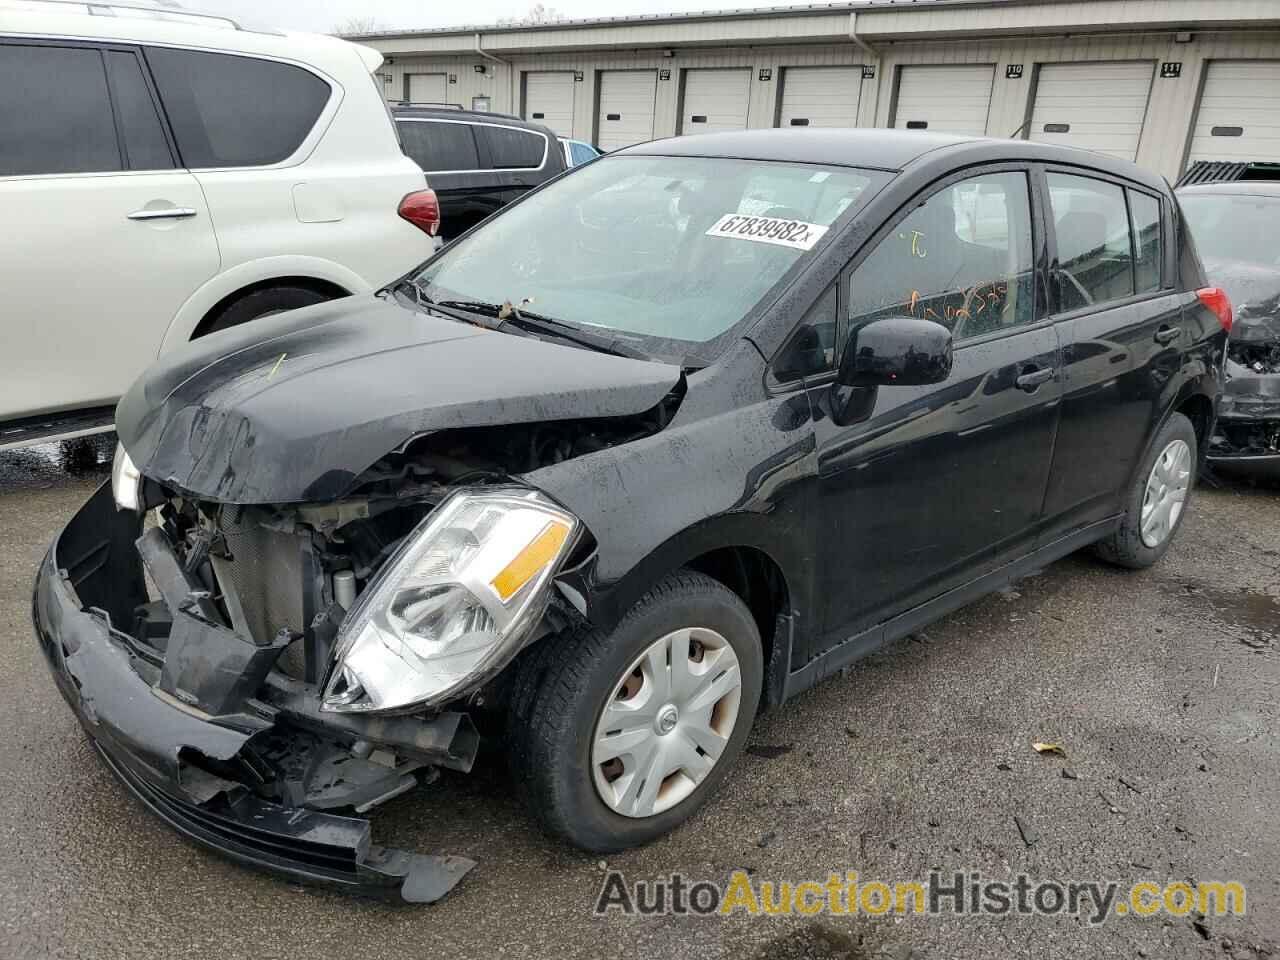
(892, 352)
(896, 352)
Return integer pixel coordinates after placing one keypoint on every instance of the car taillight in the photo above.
(1216, 299)
(422, 209)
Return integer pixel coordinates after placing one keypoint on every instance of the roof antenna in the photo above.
(1022, 126)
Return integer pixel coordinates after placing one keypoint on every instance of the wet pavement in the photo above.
(1162, 687)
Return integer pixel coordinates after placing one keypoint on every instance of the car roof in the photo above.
(142, 22)
(446, 112)
(883, 149)
(1234, 188)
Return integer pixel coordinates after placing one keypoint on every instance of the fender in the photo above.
(229, 281)
(789, 547)
(758, 493)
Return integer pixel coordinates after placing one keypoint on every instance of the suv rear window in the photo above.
(513, 148)
(230, 111)
(438, 146)
(57, 115)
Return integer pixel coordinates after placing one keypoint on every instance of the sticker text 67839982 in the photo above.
(796, 234)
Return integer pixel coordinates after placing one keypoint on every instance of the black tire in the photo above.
(262, 302)
(562, 687)
(1124, 547)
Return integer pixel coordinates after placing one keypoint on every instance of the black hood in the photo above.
(293, 408)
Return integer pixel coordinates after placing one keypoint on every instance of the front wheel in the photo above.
(618, 737)
(1157, 502)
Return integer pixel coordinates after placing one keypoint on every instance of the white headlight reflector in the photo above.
(451, 607)
(126, 482)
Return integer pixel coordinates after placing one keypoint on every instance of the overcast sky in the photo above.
(324, 15)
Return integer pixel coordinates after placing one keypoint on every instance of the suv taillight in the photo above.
(1216, 299)
(422, 209)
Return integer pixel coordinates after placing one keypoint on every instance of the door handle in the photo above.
(164, 213)
(1166, 335)
(1032, 377)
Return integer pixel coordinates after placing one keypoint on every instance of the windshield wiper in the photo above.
(466, 315)
(508, 315)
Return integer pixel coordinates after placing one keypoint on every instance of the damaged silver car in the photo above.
(1236, 228)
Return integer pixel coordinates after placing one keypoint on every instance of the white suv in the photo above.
(164, 175)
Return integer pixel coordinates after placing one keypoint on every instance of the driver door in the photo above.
(940, 484)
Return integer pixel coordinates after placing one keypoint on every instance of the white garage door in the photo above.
(1239, 116)
(548, 99)
(945, 99)
(425, 87)
(626, 108)
(820, 96)
(1095, 106)
(715, 100)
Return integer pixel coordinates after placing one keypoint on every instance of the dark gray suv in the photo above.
(476, 162)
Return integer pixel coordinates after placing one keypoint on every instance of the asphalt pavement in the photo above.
(1161, 687)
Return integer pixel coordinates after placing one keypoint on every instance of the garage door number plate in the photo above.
(796, 234)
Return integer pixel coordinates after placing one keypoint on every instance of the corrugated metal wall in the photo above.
(1162, 146)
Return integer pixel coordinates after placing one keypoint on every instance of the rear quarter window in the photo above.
(232, 111)
(510, 148)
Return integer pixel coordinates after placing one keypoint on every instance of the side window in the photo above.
(811, 349)
(1144, 212)
(57, 114)
(230, 111)
(962, 258)
(511, 148)
(145, 146)
(1094, 259)
(581, 153)
(437, 147)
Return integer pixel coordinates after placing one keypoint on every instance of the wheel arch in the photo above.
(326, 288)
(272, 270)
(754, 556)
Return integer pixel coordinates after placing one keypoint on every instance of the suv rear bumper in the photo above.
(148, 739)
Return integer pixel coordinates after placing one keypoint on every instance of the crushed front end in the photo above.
(1247, 438)
(193, 651)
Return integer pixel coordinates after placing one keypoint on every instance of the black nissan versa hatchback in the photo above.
(662, 444)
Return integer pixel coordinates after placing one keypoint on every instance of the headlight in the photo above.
(126, 482)
(451, 607)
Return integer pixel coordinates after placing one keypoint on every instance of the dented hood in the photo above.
(295, 407)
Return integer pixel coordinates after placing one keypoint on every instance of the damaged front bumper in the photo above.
(199, 725)
(1247, 436)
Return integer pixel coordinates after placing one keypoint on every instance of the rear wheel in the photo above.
(264, 303)
(618, 737)
(1157, 502)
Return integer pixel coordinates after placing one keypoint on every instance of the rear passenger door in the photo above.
(1119, 320)
(520, 159)
(104, 236)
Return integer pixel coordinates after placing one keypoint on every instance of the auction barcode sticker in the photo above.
(785, 233)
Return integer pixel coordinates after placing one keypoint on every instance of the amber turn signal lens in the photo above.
(526, 564)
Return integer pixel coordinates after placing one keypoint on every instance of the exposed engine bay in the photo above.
(202, 649)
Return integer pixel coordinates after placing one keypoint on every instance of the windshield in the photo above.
(670, 253)
(1241, 228)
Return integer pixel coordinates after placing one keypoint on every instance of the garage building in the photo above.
(1164, 83)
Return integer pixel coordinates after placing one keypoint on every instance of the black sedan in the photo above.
(660, 445)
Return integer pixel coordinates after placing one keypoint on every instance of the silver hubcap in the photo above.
(666, 723)
(1166, 493)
